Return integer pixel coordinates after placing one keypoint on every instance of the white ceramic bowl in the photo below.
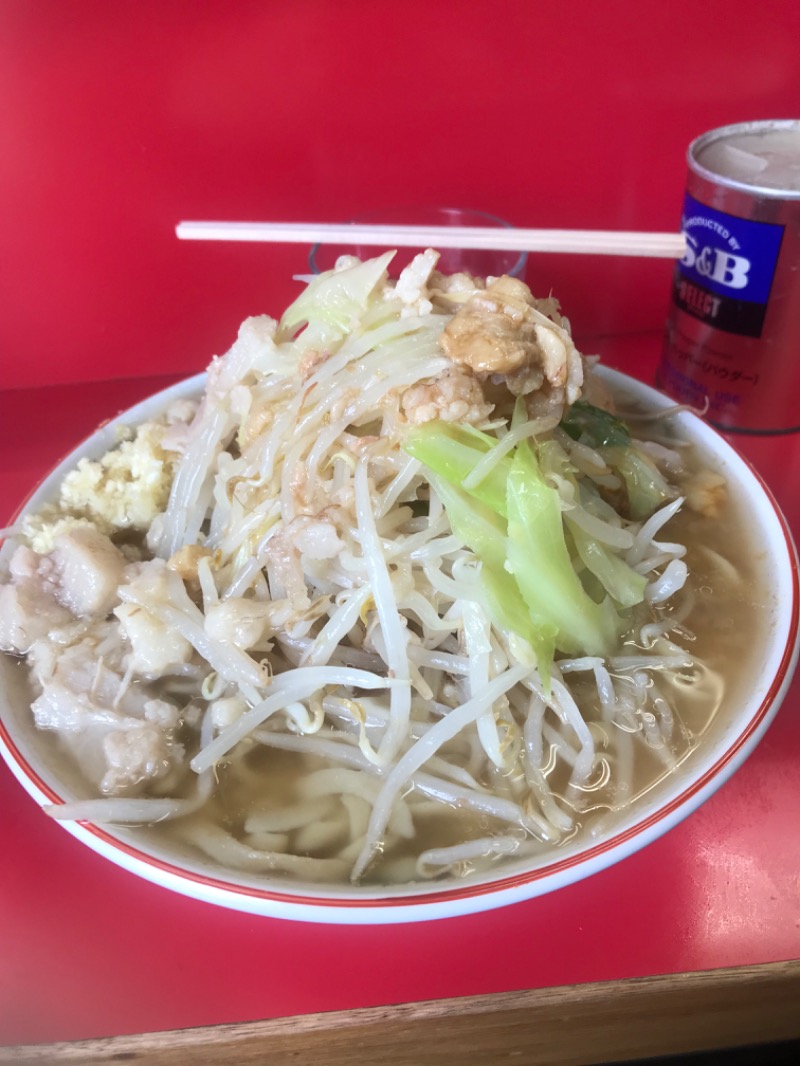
(48, 780)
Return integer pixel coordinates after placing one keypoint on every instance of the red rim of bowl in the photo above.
(487, 888)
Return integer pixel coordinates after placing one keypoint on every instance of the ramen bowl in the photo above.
(771, 622)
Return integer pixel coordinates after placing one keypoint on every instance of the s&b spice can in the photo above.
(732, 343)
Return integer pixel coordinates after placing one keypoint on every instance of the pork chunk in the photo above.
(78, 579)
(502, 332)
(89, 569)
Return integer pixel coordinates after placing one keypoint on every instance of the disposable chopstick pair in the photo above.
(581, 242)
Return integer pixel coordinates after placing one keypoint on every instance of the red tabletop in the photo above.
(90, 950)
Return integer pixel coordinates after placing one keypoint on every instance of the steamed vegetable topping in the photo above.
(526, 535)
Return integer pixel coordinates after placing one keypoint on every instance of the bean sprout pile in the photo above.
(431, 581)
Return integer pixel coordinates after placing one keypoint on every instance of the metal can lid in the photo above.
(761, 158)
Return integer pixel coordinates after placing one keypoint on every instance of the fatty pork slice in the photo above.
(56, 610)
(122, 735)
(77, 579)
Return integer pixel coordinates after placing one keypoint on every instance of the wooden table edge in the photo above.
(589, 1023)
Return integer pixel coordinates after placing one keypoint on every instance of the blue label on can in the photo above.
(726, 275)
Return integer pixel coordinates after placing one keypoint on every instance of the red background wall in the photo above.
(118, 119)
